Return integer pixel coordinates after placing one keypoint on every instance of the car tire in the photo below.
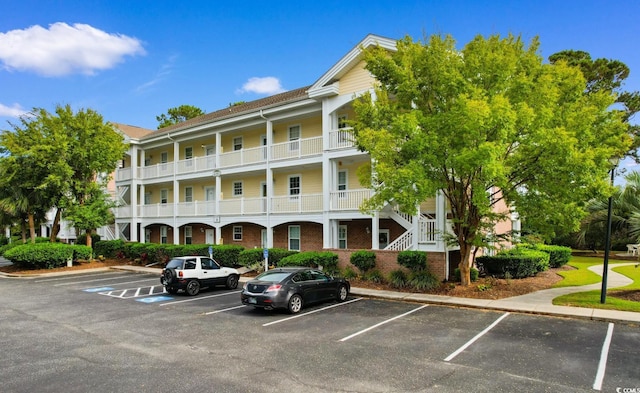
(169, 275)
(295, 304)
(343, 293)
(192, 288)
(232, 282)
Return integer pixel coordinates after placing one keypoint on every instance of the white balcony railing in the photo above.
(297, 149)
(297, 204)
(124, 174)
(157, 170)
(242, 206)
(196, 164)
(243, 157)
(156, 210)
(197, 208)
(341, 138)
(123, 211)
(427, 231)
(348, 199)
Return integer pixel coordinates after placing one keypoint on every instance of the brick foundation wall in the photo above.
(387, 261)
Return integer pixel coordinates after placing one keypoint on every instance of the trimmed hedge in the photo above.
(363, 260)
(413, 260)
(109, 248)
(326, 259)
(256, 255)
(517, 263)
(46, 255)
(558, 255)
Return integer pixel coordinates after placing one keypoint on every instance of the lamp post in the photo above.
(605, 267)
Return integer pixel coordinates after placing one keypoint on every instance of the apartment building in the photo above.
(275, 172)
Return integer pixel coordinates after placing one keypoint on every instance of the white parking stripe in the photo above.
(76, 276)
(597, 385)
(225, 309)
(482, 333)
(312, 312)
(98, 279)
(200, 298)
(382, 323)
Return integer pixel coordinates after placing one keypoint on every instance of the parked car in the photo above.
(191, 273)
(291, 288)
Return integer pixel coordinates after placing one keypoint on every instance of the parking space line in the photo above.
(97, 279)
(225, 309)
(597, 385)
(312, 312)
(201, 297)
(381, 323)
(75, 276)
(482, 333)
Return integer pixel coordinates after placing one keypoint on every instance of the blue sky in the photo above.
(132, 60)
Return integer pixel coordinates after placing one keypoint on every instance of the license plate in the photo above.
(252, 300)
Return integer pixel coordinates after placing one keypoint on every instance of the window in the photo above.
(164, 196)
(237, 233)
(342, 121)
(342, 183)
(147, 198)
(237, 143)
(163, 234)
(188, 194)
(294, 237)
(294, 137)
(294, 186)
(342, 237)
(188, 153)
(164, 157)
(147, 161)
(188, 235)
(237, 188)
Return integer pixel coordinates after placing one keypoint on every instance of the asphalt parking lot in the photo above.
(118, 331)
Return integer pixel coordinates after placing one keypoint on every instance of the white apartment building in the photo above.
(275, 172)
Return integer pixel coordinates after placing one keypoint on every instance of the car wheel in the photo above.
(171, 290)
(193, 287)
(168, 276)
(295, 304)
(343, 292)
(232, 282)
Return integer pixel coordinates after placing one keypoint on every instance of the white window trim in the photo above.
(289, 238)
(188, 233)
(164, 157)
(289, 186)
(185, 193)
(164, 190)
(163, 234)
(185, 152)
(233, 188)
(340, 227)
(237, 227)
(294, 146)
(233, 143)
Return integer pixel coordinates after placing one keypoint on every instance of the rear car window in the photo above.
(175, 263)
(273, 276)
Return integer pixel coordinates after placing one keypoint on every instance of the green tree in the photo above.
(486, 125)
(178, 115)
(609, 76)
(56, 160)
(94, 212)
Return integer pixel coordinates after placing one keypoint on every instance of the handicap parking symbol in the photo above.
(99, 289)
(154, 299)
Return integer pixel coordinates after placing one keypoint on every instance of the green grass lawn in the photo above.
(591, 299)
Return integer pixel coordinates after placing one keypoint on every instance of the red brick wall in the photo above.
(386, 261)
(310, 236)
(251, 235)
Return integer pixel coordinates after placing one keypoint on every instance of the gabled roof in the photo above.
(349, 60)
(132, 131)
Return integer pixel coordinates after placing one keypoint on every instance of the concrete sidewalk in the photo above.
(539, 302)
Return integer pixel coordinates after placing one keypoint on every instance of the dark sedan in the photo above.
(292, 287)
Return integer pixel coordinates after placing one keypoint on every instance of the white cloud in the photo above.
(266, 85)
(163, 73)
(64, 49)
(12, 111)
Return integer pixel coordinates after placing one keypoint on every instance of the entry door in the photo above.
(210, 198)
(263, 194)
(209, 236)
(383, 238)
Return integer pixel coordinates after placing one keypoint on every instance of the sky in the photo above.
(133, 60)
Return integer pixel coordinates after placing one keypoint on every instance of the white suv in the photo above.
(194, 272)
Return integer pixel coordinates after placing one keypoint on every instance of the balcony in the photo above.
(241, 157)
(297, 149)
(348, 199)
(309, 203)
(243, 206)
(341, 138)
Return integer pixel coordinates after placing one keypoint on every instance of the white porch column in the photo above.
(135, 181)
(375, 229)
(441, 219)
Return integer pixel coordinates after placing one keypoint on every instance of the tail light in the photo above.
(274, 288)
(180, 274)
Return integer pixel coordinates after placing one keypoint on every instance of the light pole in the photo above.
(605, 267)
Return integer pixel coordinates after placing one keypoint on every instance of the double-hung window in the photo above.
(294, 237)
(237, 143)
(294, 187)
(294, 138)
(188, 235)
(188, 194)
(237, 188)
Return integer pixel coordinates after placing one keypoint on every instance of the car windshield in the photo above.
(175, 263)
(273, 276)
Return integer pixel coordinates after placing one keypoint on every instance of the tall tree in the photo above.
(609, 76)
(178, 115)
(487, 125)
(56, 159)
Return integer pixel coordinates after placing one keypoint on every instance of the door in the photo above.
(210, 200)
(263, 194)
(383, 238)
(209, 239)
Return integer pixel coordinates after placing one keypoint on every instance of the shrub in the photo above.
(474, 273)
(82, 239)
(46, 255)
(326, 259)
(398, 278)
(108, 248)
(413, 260)
(349, 273)
(374, 275)
(363, 260)
(256, 255)
(423, 280)
(519, 263)
(558, 255)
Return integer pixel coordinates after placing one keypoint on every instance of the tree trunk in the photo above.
(88, 233)
(55, 228)
(32, 228)
(23, 229)
(466, 260)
